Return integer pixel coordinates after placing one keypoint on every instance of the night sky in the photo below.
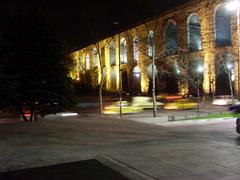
(73, 20)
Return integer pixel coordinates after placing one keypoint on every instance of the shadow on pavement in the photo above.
(86, 170)
(238, 141)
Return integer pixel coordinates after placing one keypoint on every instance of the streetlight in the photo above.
(232, 6)
(199, 72)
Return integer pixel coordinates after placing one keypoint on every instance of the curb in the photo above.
(182, 122)
(128, 171)
(198, 122)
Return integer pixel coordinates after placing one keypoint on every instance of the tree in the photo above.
(185, 68)
(224, 72)
(97, 27)
(34, 67)
(149, 52)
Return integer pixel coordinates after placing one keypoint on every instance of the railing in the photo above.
(179, 117)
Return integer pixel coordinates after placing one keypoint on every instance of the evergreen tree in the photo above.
(34, 67)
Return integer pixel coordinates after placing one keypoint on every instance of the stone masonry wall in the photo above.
(205, 9)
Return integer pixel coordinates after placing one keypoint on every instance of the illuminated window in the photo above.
(194, 33)
(113, 78)
(136, 83)
(223, 26)
(150, 44)
(95, 57)
(196, 67)
(171, 38)
(112, 53)
(123, 51)
(195, 72)
(135, 49)
(224, 73)
(136, 72)
(87, 61)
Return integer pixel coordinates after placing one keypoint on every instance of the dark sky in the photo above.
(74, 21)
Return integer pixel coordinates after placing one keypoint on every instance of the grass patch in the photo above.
(220, 115)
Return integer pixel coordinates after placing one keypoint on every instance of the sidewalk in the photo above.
(194, 152)
(163, 121)
(162, 117)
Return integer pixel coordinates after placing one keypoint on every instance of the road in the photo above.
(206, 151)
(91, 106)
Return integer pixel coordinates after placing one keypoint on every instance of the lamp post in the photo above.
(199, 72)
(235, 5)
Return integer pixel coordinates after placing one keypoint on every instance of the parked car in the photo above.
(145, 102)
(223, 100)
(235, 108)
(127, 108)
(180, 104)
(238, 125)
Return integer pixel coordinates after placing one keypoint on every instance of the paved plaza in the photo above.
(138, 150)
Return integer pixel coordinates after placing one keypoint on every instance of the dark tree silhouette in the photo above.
(33, 67)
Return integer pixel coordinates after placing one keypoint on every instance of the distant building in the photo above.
(205, 30)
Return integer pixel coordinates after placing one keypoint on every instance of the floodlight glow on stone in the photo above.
(200, 69)
(233, 5)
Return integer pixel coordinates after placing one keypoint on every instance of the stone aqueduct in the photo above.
(205, 29)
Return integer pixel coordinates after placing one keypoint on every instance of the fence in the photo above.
(179, 117)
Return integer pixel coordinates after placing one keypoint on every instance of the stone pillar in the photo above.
(107, 68)
(143, 59)
(208, 46)
(235, 52)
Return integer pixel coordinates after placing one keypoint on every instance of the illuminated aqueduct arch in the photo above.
(203, 34)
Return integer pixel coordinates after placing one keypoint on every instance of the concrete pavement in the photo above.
(206, 151)
(162, 116)
(162, 120)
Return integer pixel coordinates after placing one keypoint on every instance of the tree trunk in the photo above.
(101, 100)
(153, 85)
(230, 86)
(31, 115)
(101, 81)
(35, 116)
(100, 89)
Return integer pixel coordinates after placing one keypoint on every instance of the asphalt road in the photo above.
(90, 105)
(206, 151)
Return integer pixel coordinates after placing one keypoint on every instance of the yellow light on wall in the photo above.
(144, 83)
(206, 75)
